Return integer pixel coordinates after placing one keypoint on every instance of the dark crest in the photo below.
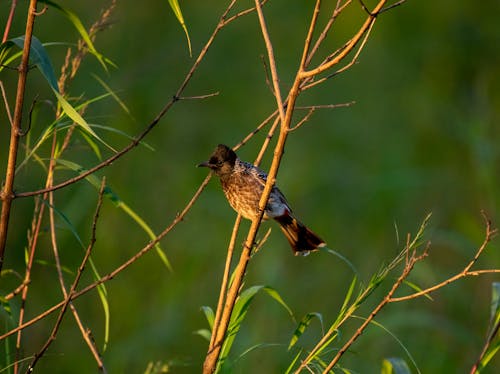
(222, 160)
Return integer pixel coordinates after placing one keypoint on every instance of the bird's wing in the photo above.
(261, 176)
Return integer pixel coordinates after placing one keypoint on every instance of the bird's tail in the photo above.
(301, 239)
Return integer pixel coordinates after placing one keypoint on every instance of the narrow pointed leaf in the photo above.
(303, 324)
(239, 312)
(276, 296)
(73, 18)
(113, 94)
(209, 315)
(493, 340)
(77, 118)
(174, 4)
(39, 58)
(395, 365)
(294, 361)
(204, 333)
(417, 288)
(495, 302)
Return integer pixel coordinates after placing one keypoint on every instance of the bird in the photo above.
(243, 184)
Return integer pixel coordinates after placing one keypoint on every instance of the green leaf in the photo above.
(343, 258)
(303, 324)
(294, 361)
(239, 312)
(417, 288)
(77, 118)
(209, 315)
(276, 296)
(174, 4)
(73, 18)
(348, 296)
(495, 303)
(204, 333)
(122, 133)
(39, 58)
(148, 230)
(111, 195)
(373, 322)
(112, 93)
(492, 345)
(256, 346)
(395, 365)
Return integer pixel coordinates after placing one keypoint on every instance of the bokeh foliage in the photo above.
(423, 136)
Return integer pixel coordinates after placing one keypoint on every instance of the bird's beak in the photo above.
(205, 164)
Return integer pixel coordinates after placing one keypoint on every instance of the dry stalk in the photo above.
(68, 295)
(7, 192)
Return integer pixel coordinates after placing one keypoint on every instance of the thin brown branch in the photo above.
(307, 44)
(303, 120)
(68, 295)
(267, 141)
(492, 335)
(337, 10)
(225, 281)
(242, 13)
(405, 254)
(83, 330)
(8, 24)
(260, 243)
(257, 129)
(266, 74)
(272, 61)
(411, 260)
(389, 7)
(199, 97)
(352, 44)
(348, 65)
(7, 193)
(326, 106)
(466, 272)
(32, 251)
(6, 102)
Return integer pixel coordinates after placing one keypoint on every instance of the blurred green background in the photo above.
(422, 137)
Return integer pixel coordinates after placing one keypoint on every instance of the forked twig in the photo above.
(489, 234)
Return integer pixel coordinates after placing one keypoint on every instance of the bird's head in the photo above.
(221, 161)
